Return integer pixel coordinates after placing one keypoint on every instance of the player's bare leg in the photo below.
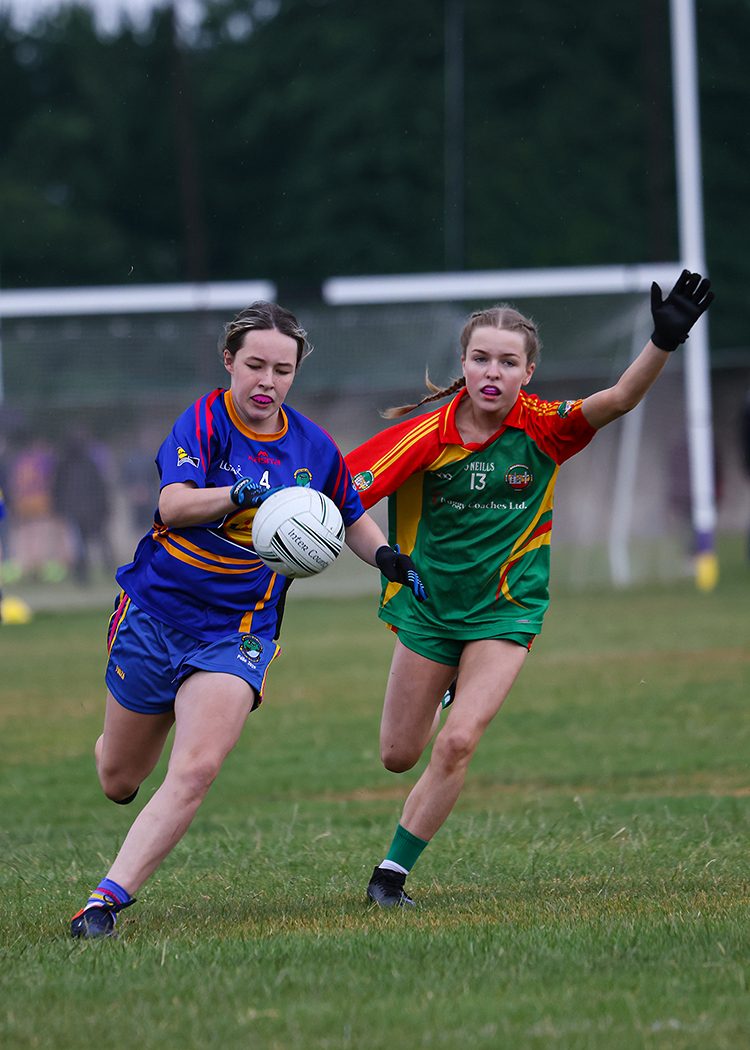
(210, 711)
(487, 671)
(129, 748)
(411, 709)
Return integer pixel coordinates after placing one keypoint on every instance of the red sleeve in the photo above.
(382, 464)
(559, 428)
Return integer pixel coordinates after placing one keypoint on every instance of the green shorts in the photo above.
(448, 650)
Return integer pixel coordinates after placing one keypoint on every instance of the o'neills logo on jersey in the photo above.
(251, 647)
(565, 408)
(363, 480)
(518, 477)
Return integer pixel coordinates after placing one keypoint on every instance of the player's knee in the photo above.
(454, 746)
(117, 784)
(194, 780)
(397, 759)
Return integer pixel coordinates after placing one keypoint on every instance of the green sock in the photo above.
(405, 848)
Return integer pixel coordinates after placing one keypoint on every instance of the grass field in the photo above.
(591, 890)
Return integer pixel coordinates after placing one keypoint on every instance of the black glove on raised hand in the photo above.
(399, 568)
(246, 494)
(676, 315)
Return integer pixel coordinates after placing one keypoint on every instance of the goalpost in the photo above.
(126, 359)
(596, 280)
(581, 281)
(155, 351)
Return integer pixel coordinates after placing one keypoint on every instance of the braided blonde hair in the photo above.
(504, 317)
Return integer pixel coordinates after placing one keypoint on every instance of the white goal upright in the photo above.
(126, 360)
(561, 284)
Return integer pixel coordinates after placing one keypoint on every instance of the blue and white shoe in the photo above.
(98, 920)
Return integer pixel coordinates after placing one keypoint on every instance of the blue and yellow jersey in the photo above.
(476, 518)
(207, 580)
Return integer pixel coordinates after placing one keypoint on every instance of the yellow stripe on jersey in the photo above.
(408, 511)
(522, 545)
(450, 454)
(195, 549)
(247, 619)
(189, 553)
(428, 424)
(409, 505)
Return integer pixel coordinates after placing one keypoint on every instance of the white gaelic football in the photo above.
(298, 532)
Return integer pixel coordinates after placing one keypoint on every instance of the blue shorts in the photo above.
(149, 660)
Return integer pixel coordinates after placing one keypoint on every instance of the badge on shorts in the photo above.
(363, 480)
(251, 647)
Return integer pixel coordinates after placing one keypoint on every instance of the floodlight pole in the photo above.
(693, 257)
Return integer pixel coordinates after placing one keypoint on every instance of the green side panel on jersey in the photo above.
(481, 543)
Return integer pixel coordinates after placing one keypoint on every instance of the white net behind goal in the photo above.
(622, 507)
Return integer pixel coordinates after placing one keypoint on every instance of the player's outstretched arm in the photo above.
(673, 319)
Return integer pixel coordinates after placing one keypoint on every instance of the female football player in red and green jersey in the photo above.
(470, 489)
(194, 630)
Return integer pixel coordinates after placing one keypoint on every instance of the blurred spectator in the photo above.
(81, 499)
(141, 480)
(29, 495)
(2, 529)
(3, 517)
(745, 438)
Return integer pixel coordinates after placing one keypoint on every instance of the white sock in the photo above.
(391, 865)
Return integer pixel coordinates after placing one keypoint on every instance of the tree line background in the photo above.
(302, 139)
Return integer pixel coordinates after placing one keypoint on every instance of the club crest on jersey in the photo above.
(251, 647)
(518, 477)
(303, 478)
(565, 408)
(239, 527)
(363, 480)
(183, 459)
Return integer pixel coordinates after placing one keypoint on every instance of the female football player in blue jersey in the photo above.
(193, 632)
(470, 490)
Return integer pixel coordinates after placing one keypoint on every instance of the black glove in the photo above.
(245, 493)
(399, 568)
(676, 315)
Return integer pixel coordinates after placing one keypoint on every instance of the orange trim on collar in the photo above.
(245, 429)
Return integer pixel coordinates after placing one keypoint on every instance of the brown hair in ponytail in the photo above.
(502, 316)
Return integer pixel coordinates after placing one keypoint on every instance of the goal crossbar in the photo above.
(489, 284)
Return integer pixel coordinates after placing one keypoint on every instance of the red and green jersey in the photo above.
(476, 518)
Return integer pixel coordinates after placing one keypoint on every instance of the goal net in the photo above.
(124, 367)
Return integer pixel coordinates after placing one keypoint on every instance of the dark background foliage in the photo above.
(301, 139)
